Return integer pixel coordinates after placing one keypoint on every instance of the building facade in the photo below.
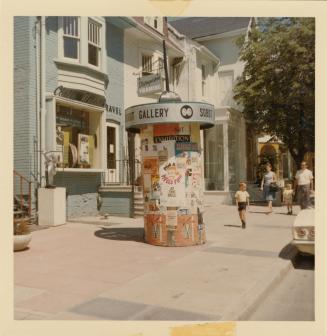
(74, 78)
(230, 149)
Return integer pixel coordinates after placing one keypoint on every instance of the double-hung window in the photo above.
(94, 43)
(71, 37)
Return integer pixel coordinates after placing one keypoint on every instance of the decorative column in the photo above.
(172, 169)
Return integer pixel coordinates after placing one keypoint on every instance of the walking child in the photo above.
(288, 198)
(242, 198)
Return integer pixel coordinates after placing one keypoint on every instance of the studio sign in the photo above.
(160, 113)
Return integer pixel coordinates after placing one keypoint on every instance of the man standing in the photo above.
(304, 185)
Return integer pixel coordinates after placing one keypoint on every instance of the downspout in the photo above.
(38, 111)
(42, 102)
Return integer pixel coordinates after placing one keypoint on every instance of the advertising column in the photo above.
(172, 170)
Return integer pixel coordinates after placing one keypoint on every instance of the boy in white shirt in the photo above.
(304, 185)
(242, 198)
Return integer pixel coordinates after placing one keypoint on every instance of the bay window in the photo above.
(81, 40)
(71, 37)
(94, 45)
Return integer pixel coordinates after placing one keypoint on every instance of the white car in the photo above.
(304, 232)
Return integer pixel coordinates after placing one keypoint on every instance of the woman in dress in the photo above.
(267, 179)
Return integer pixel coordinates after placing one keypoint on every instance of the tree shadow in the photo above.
(126, 234)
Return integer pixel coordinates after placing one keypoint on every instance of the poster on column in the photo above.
(172, 181)
(150, 166)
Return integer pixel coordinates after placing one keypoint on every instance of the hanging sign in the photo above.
(149, 84)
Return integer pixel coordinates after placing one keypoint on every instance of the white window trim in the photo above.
(83, 43)
(150, 52)
(102, 132)
(61, 41)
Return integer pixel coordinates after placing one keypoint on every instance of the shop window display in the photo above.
(76, 137)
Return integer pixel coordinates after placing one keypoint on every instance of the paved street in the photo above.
(101, 271)
(293, 298)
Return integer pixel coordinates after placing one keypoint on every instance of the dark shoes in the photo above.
(243, 225)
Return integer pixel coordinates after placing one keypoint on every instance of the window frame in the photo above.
(99, 46)
(84, 42)
(151, 56)
(63, 35)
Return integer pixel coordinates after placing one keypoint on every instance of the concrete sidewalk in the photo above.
(105, 271)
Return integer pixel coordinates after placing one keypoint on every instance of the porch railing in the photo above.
(22, 190)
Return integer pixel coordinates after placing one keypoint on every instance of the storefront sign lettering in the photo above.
(153, 113)
(181, 138)
(113, 109)
(80, 95)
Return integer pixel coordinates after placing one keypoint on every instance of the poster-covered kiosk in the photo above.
(172, 172)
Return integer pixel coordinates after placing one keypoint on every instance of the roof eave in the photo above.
(231, 33)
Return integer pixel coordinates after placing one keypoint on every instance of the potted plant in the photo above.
(22, 234)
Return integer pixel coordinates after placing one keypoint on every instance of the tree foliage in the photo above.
(277, 86)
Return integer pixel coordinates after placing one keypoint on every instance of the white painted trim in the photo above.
(117, 149)
(80, 170)
(82, 59)
(90, 108)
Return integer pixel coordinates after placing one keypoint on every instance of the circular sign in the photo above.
(167, 113)
(186, 111)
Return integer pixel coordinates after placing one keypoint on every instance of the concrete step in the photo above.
(116, 188)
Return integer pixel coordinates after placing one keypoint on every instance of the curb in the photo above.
(248, 302)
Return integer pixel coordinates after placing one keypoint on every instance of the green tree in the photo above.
(277, 86)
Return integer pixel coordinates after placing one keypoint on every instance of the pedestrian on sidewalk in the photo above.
(288, 198)
(242, 198)
(269, 187)
(304, 185)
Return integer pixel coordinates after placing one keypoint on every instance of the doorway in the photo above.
(112, 171)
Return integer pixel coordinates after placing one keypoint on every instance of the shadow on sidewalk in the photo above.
(231, 225)
(128, 234)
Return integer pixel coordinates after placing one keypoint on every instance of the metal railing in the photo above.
(122, 172)
(21, 192)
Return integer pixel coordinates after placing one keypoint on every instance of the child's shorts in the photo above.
(241, 206)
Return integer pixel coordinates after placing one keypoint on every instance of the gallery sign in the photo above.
(171, 112)
(149, 84)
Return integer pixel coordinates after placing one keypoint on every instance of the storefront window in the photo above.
(214, 158)
(77, 135)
